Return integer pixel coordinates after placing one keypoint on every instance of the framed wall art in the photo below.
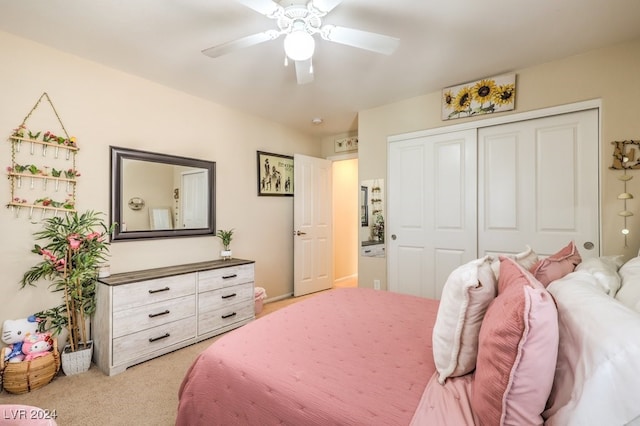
(275, 174)
(346, 144)
(486, 96)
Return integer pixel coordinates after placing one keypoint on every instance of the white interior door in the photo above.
(538, 185)
(195, 200)
(312, 225)
(432, 210)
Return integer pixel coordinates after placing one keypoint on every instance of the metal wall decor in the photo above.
(625, 157)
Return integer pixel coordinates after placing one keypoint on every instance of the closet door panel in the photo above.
(432, 211)
(551, 197)
(410, 262)
(501, 178)
(557, 201)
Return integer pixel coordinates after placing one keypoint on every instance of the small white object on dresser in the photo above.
(144, 314)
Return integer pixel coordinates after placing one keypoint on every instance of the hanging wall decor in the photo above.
(43, 171)
(480, 97)
(625, 157)
(346, 144)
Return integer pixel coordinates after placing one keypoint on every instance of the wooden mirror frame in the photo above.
(117, 155)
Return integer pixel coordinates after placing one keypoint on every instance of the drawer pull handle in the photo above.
(233, 314)
(159, 313)
(226, 277)
(229, 296)
(153, 339)
(159, 290)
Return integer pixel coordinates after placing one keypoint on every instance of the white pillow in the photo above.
(605, 269)
(596, 380)
(526, 259)
(465, 298)
(629, 293)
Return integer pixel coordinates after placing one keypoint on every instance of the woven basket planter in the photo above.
(25, 376)
(78, 361)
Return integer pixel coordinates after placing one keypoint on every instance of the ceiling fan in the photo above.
(299, 23)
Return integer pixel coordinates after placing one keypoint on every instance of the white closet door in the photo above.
(432, 210)
(538, 185)
(530, 182)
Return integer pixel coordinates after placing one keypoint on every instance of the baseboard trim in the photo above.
(277, 298)
(346, 279)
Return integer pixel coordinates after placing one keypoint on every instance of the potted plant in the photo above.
(226, 237)
(75, 248)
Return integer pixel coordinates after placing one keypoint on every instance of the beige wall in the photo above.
(103, 107)
(345, 212)
(609, 74)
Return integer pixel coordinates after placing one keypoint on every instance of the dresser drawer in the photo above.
(216, 319)
(224, 277)
(153, 315)
(217, 299)
(145, 342)
(151, 291)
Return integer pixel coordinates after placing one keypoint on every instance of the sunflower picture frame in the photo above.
(484, 96)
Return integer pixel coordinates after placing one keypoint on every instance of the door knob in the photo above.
(393, 236)
(298, 233)
(588, 245)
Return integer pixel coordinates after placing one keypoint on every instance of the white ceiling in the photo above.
(442, 43)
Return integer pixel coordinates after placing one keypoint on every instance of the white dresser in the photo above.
(144, 314)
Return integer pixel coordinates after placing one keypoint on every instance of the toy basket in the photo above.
(25, 376)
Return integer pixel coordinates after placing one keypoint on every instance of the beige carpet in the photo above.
(145, 394)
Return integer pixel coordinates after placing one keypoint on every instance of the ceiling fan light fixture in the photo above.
(299, 45)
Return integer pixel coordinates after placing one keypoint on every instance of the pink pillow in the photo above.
(557, 265)
(518, 348)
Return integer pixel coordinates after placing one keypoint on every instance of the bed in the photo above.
(351, 356)
(366, 357)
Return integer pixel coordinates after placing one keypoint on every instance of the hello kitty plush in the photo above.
(36, 345)
(13, 334)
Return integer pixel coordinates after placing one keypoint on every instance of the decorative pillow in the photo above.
(557, 265)
(605, 270)
(518, 346)
(465, 297)
(526, 259)
(596, 380)
(629, 293)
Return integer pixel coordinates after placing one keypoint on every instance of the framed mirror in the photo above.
(372, 218)
(160, 196)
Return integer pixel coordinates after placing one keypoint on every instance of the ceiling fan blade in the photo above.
(374, 42)
(240, 43)
(265, 7)
(325, 6)
(304, 71)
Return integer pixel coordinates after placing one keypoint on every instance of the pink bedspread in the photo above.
(344, 357)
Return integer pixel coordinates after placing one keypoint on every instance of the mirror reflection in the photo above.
(372, 218)
(156, 195)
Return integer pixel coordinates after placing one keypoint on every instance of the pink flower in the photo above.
(59, 265)
(93, 235)
(48, 255)
(74, 241)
